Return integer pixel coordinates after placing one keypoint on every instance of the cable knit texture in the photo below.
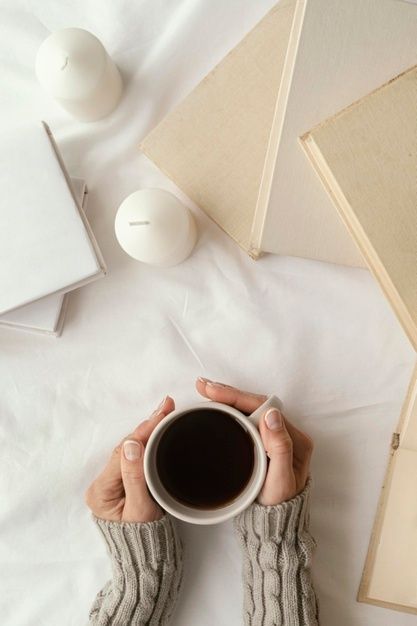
(147, 570)
(277, 553)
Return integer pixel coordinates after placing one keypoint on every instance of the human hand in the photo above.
(120, 492)
(289, 450)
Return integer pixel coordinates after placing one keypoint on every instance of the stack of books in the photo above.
(303, 141)
(47, 247)
(233, 144)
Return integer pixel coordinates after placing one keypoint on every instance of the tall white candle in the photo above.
(73, 66)
(153, 226)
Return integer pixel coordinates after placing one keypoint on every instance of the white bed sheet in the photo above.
(321, 337)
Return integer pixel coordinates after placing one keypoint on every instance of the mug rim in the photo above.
(233, 508)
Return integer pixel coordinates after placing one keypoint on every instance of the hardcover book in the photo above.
(345, 51)
(214, 144)
(46, 243)
(366, 157)
(233, 144)
(47, 314)
(389, 576)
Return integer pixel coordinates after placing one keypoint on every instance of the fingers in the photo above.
(138, 506)
(287, 472)
(302, 460)
(288, 448)
(280, 482)
(247, 403)
(218, 392)
(302, 452)
(145, 428)
(143, 431)
(301, 441)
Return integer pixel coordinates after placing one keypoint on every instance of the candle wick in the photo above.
(65, 63)
(138, 223)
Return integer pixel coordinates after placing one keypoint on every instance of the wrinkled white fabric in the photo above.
(321, 337)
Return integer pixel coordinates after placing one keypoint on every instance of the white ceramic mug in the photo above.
(248, 494)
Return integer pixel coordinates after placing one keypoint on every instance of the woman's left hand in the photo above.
(289, 450)
(120, 492)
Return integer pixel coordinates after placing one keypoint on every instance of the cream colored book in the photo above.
(367, 159)
(214, 144)
(347, 48)
(390, 573)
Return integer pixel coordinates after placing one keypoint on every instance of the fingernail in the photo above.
(273, 419)
(160, 405)
(215, 384)
(132, 450)
(204, 380)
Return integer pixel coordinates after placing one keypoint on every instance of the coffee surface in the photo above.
(205, 458)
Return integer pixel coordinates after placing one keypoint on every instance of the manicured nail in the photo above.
(160, 405)
(159, 408)
(132, 450)
(218, 385)
(273, 419)
(204, 380)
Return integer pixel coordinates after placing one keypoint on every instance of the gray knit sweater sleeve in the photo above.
(277, 553)
(146, 562)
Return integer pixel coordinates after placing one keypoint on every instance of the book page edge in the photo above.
(276, 129)
(57, 330)
(386, 605)
(358, 235)
(409, 399)
(363, 591)
(91, 236)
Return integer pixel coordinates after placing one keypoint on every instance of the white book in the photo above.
(46, 243)
(346, 49)
(45, 315)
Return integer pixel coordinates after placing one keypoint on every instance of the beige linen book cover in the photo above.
(390, 573)
(213, 145)
(366, 156)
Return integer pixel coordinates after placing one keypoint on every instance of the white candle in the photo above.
(73, 66)
(153, 226)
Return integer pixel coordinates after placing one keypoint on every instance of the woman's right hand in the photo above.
(120, 493)
(288, 448)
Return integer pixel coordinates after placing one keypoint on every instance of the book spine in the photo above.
(255, 244)
(87, 226)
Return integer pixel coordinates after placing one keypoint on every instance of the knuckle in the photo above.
(283, 446)
(132, 477)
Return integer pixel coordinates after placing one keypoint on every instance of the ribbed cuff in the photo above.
(144, 543)
(259, 523)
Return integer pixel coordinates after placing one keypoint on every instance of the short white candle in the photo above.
(153, 226)
(73, 66)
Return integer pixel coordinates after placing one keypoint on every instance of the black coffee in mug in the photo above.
(205, 458)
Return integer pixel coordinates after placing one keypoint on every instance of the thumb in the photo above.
(280, 483)
(138, 502)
